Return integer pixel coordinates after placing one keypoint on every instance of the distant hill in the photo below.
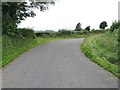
(49, 31)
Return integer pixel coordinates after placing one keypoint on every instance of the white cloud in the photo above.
(67, 13)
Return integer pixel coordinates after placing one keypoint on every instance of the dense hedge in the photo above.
(19, 33)
(115, 26)
(66, 33)
(29, 33)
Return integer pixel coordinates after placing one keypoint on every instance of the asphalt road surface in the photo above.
(59, 64)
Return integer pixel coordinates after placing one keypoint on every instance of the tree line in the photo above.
(102, 25)
(14, 12)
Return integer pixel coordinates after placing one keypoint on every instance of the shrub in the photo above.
(25, 32)
(64, 32)
(45, 36)
(8, 26)
(115, 26)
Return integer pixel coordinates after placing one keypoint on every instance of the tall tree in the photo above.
(103, 25)
(87, 28)
(14, 12)
(21, 10)
(78, 27)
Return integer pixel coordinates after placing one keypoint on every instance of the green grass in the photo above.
(103, 49)
(14, 47)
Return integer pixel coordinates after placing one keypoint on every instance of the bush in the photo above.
(64, 33)
(29, 33)
(53, 35)
(45, 36)
(115, 26)
(8, 26)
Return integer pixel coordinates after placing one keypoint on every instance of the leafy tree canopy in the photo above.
(14, 12)
(78, 27)
(115, 25)
(87, 28)
(103, 25)
(20, 10)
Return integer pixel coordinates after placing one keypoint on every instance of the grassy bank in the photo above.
(103, 49)
(13, 47)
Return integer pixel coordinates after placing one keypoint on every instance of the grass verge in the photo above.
(14, 47)
(103, 50)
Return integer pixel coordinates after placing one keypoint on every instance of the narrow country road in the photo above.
(58, 64)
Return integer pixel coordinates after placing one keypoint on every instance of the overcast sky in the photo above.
(67, 13)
